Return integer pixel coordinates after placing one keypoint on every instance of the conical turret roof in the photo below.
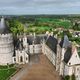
(65, 42)
(3, 27)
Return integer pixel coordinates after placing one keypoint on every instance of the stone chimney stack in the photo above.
(51, 33)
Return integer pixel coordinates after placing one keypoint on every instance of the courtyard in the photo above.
(39, 68)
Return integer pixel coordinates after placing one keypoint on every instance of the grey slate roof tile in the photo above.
(65, 42)
(52, 43)
(3, 27)
(67, 54)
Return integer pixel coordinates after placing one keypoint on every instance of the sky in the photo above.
(39, 7)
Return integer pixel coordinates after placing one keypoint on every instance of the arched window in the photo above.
(21, 59)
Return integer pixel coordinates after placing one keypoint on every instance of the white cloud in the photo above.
(36, 6)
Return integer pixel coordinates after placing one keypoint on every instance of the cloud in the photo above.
(25, 3)
(39, 6)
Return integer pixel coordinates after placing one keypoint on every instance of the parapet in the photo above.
(6, 35)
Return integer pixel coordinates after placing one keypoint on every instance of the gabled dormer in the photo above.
(74, 59)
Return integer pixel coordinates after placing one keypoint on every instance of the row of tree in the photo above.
(16, 27)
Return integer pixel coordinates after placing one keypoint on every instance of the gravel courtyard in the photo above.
(40, 68)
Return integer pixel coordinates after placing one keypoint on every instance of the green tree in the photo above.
(72, 77)
(16, 27)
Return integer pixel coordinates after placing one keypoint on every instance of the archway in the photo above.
(21, 59)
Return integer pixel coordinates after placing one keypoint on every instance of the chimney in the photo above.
(51, 33)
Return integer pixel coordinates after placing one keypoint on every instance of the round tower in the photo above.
(6, 44)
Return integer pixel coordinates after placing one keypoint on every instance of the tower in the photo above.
(25, 43)
(21, 54)
(64, 44)
(6, 44)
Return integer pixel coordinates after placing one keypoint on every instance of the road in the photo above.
(42, 70)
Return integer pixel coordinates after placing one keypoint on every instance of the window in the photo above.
(14, 59)
(69, 63)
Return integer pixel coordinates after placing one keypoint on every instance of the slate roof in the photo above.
(65, 42)
(61, 43)
(52, 43)
(35, 40)
(67, 45)
(32, 39)
(3, 27)
(67, 54)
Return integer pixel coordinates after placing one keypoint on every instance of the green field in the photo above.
(57, 22)
(5, 72)
(39, 29)
(41, 25)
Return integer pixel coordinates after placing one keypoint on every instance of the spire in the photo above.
(65, 43)
(3, 27)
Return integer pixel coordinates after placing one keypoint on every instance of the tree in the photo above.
(72, 77)
(16, 27)
(76, 26)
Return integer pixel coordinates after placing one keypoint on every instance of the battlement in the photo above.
(6, 38)
(6, 35)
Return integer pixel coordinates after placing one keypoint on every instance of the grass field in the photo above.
(39, 29)
(58, 22)
(41, 25)
(5, 72)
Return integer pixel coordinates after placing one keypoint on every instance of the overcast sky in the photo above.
(39, 6)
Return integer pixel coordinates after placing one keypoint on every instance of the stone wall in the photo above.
(49, 53)
(35, 49)
(6, 49)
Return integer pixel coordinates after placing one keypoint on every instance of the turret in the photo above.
(64, 44)
(3, 27)
(6, 44)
